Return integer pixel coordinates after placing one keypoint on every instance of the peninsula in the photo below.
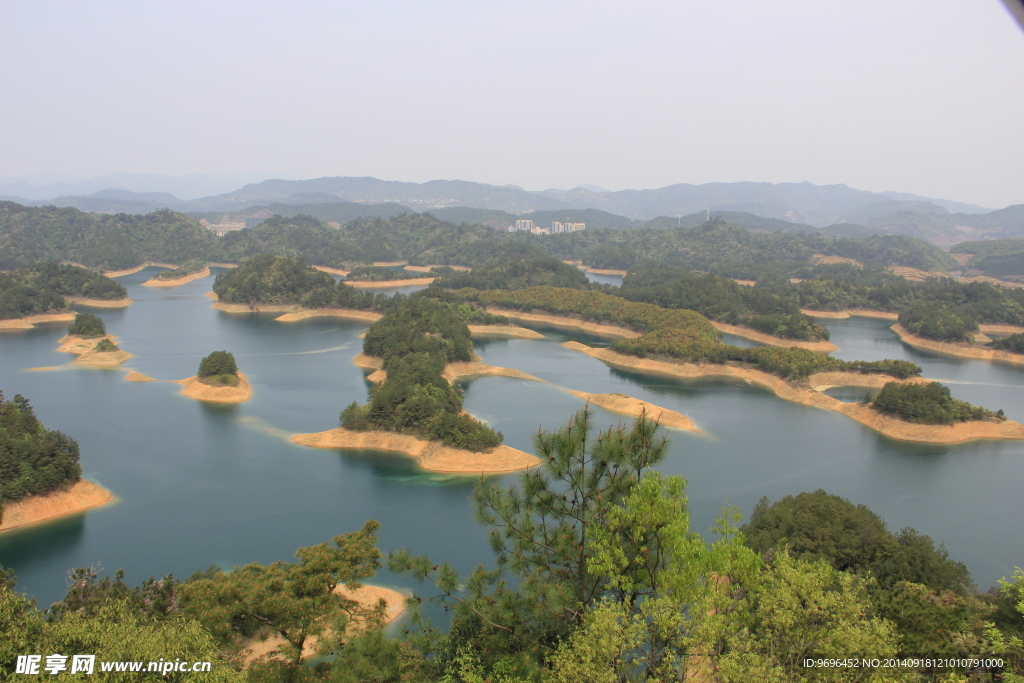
(812, 394)
(81, 496)
(87, 338)
(960, 350)
(187, 272)
(634, 407)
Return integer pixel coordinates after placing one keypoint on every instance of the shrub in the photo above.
(105, 345)
(929, 403)
(1013, 343)
(219, 368)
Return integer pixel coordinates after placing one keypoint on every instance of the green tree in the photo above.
(295, 602)
(219, 368)
(88, 326)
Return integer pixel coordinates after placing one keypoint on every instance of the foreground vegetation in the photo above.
(41, 288)
(417, 338)
(33, 460)
(597, 577)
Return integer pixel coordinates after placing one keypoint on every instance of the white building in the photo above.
(525, 225)
(557, 227)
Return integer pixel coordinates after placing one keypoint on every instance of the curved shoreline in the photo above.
(370, 284)
(596, 329)
(81, 496)
(427, 269)
(452, 371)
(754, 335)
(131, 271)
(332, 271)
(193, 388)
(99, 303)
(512, 331)
(156, 282)
(30, 321)
(431, 456)
(958, 350)
(884, 424)
(87, 355)
(628, 405)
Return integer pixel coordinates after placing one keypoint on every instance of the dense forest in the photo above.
(282, 280)
(218, 369)
(516, 273)
(41, 288)
(33, 459)
(929, 403)
(1003, 258)
(597, 577)
(379, 274)
(87, 326)
(417, 338)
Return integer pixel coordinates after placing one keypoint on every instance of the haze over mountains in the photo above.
(839, 209)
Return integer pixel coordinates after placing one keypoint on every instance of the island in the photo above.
(193, 269)
(378, 276)
(217, 381)
(87, 338)
(40, 474)
(416, 349)
(43, 292)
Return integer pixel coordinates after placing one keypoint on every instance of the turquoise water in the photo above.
(200, 484)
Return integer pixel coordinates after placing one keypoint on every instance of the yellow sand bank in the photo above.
(134, 376)
(605, 271)
(389, 264)
(432, 456)
(1001, 329)
(627, 405)
(305, 313)
(958, 350)
(853, 312)
(193, 388)
(82, 496)
(28, 322)
(427, 269)
(332, 271)
(99, 303)
(454, 371)
(567, 322)
(367, 284)
(87, 355)
(513, 331)
(889, 426)
(754, 335)
(156, 282)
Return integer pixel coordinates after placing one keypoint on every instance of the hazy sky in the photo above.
(920, 96)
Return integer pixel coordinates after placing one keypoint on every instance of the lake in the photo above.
(201, 484)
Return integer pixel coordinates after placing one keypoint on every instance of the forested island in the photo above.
(218, 380)
(40, 474)
(597, 576)
(47, 288)
(87, 338)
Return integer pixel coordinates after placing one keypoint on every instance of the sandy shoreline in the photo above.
(754, 335)
(513, 331)
(369, 284)
(82, 496)
(84, 349)
(28, 322)
(156, 282)
(452, 371)
(958, 350)
(889, 426)
(193, 388)
(432, 456)
(306, 313)
(99, 303)
(571, 323)
(627, 405)
(257, 308)
(427, 269)
(332, 271)
(134, 376)
(131, 271)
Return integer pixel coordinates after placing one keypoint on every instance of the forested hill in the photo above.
(33, 290)
(29, 235)
(110, 242)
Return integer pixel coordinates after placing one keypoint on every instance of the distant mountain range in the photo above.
(837, 209)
